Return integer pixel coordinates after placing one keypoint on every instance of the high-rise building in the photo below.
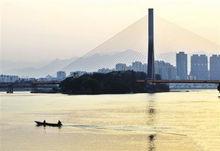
(61, 75)
(165, 70)
(199, 67)
(104, 70)
(215, 67)
(181, 65)
(8, 78)
(138, 66)
(76, 74)
(121, 67)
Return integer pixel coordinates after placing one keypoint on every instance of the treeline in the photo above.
(117, 82)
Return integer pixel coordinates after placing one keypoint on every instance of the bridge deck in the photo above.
(180, 81)
(28, 84)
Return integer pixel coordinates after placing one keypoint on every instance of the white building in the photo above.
(9, 78)
(215, 67)
(104, 70)
(61, 75)
(181, 65)
(77, 74)
(47, 78)
(199, 67)
(139, 67)
(165, 70)
(121, 67)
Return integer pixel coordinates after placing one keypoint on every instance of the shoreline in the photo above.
(171, 90)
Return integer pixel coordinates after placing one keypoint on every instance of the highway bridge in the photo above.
(150, 81)
(28, 85)
(181, 81)
(34, 85)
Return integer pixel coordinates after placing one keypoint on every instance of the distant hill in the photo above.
(168, 40)
(126, 46)
(50, 68)
(97, 61)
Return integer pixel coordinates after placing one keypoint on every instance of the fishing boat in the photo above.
(44, 123)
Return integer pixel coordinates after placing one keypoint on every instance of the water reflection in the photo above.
(151, 111)
(171, 121)
(44, 126)
(151, 139)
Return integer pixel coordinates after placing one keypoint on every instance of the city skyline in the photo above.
(131, 56)
(193, 67)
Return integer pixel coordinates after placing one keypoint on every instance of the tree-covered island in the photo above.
(117, 82)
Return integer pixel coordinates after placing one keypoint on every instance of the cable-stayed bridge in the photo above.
(150, 75)
(151, 69)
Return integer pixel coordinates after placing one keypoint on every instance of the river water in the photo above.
(174, 121)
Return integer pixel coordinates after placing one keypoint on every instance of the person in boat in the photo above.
(59, 123)
(44, 122)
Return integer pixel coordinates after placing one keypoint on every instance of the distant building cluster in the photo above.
(104, 70)
(201, 67)
(215, 67)
(61, 75)
(9, 78)
(166, 70)
(47, 78)
(13, 78)
(181, 65)
(77, 74)
(135, 66)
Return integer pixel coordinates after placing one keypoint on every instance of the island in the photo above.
(116, 82)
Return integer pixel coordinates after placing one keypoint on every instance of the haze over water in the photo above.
(179, 121)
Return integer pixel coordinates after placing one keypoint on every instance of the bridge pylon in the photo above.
(219, 87)
(150, 66)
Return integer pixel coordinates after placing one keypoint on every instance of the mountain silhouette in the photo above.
(97, 61)
(169, 38)
(129, 45)
(50, 68)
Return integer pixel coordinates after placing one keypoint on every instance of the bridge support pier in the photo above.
(10, 89)
(219, 87)
(33, 88)
(150, 87)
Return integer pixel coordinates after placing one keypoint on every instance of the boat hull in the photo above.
(47, 124)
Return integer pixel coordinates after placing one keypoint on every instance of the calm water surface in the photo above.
(175, 121)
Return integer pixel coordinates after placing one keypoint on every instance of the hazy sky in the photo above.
(37, 30)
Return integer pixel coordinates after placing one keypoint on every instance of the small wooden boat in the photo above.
(59, 124)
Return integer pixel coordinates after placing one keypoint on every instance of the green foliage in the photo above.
(110, 83)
